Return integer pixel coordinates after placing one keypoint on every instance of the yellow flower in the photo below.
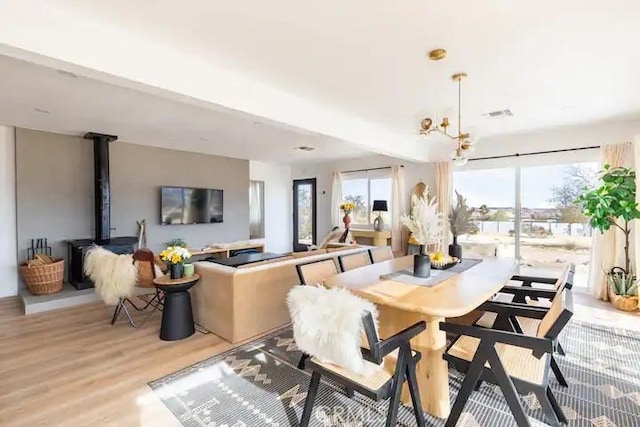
(175, 259)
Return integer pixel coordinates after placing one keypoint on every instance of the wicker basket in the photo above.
(624, 303)
(43, 279)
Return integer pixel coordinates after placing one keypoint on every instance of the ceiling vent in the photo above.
(498, 114)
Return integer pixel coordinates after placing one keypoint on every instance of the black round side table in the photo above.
(177, 316)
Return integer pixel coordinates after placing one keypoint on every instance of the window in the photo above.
(362, 188)
(527, 212)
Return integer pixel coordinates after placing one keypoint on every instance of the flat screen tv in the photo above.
(180, 205)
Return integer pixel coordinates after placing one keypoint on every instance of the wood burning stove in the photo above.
(102, 215)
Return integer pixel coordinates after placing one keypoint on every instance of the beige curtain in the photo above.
(635, 233)
(398, 208)
(444, 191)
(336, 200)
(607, 250)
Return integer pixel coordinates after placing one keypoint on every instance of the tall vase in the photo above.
(421, 264)
(347, 220)
(176, 271)
(455, 250)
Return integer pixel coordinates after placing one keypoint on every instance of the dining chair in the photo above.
(383, 253)
(538, 296)
(315, 273)
(517, 363)
(379, 384)
(352, 261)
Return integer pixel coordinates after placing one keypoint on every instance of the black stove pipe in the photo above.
(102, 187)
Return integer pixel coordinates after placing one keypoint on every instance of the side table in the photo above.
(177, 316)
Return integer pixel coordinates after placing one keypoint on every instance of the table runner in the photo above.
(437, 276)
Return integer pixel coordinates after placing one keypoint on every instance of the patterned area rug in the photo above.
(259, 385)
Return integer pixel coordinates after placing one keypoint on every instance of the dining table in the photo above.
(401, 304)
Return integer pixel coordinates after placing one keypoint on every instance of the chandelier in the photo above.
(463, 140)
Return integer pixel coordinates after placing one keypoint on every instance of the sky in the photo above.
(496, 187)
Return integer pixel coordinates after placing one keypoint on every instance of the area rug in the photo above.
(258, 384)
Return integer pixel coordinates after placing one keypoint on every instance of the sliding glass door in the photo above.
(527, 212)
(553, 232)
(491, 193)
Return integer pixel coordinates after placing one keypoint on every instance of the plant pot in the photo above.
(176, 271)
(421, 264)
(624, 303)
(455, 250)
(347, 220)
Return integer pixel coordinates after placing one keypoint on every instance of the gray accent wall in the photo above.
(54, 183)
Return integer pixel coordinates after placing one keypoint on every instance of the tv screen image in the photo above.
(180, 205)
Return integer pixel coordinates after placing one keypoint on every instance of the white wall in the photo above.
(277, 202)
(323, 172)
(8, 246)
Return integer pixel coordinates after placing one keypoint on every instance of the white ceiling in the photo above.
(553, 63)
(76, 105)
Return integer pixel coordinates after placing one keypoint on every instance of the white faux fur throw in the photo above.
(114, 275)
(327, 324)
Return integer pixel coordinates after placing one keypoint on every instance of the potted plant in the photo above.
(426, 224)
(175, 256)
(347, 208)
(460, 222)
(614, 200)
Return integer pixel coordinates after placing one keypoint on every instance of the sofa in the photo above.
(240, 303)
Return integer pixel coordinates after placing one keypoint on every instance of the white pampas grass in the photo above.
(426, 222)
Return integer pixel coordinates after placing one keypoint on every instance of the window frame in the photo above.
(369, 175)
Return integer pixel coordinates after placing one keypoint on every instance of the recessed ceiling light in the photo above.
(305, 148)
(40, 110)
(67, 73)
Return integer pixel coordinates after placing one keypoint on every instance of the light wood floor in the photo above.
(72, 368)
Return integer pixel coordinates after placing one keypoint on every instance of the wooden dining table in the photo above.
(401, 305)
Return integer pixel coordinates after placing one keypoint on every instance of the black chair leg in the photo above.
(477, 386)
(560, 350)
(507, 387)
(116, 312)
(302, 361)
(547, 408)
(556, 406)
(558, 373)
(415, 394)
(471, 378)
(311, 396)
(398, 380)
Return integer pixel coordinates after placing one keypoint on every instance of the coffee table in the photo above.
(177, 315)
(242, 259)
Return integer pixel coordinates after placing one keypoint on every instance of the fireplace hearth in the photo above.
(102, 216)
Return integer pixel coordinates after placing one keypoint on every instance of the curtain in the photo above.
(607, 250)
(398, 208)
(255, 210)
(635, 233)
(336, 199)
(444, 192)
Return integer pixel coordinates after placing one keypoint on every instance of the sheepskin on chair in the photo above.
(114, 275)
(327, 324)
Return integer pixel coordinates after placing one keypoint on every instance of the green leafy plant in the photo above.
(614, 201)
(622, 283)
(461, 217)
(176, 242)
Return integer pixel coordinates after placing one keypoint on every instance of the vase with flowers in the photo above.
(426, 224)
(175, 256)
(347, 208)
